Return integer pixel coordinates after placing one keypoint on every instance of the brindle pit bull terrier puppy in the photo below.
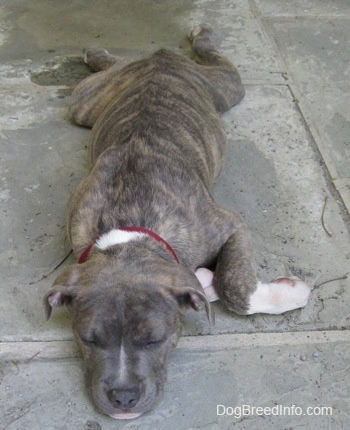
(143, 220)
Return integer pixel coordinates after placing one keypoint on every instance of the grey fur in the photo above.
(157, 146)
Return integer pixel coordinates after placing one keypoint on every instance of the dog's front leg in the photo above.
(236, 282)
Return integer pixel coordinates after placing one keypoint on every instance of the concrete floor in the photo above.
(289, 152)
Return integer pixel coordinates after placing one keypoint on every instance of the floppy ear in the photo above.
(63, 291)
(58, 296)
(190, 297)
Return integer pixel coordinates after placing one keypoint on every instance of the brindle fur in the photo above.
(157, 146)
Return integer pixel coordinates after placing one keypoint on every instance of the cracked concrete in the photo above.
(288, 156)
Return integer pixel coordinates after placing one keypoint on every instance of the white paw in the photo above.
(201, 28)
(205, 277)
(195, 31)
(280, 295)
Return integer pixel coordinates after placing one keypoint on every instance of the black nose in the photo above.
(125, 398)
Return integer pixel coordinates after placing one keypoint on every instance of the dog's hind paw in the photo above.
(205, 277)
(280, 295)
(94, 53)
(199, 30)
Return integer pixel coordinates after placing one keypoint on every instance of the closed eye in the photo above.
(154, 343)
(89, 341)
(150, 338)
(92, 341)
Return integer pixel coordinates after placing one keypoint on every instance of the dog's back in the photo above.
(164, 100)
(156, 145)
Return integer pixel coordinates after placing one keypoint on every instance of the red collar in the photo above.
(85, 255)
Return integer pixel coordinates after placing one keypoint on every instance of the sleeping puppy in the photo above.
(144, 226)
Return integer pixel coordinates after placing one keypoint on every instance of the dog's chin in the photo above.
(125, 415)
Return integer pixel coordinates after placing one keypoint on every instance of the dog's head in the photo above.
(126, 323)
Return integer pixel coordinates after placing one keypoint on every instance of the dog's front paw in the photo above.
(205, 277)
(280, 295)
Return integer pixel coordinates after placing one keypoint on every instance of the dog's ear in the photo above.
(58, 296)
(190, 297)
(63, 291)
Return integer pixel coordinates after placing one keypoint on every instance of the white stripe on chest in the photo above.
(115, 237)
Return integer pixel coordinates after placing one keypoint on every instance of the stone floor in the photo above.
(287, 173)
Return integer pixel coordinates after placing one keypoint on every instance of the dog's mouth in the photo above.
(126, 415)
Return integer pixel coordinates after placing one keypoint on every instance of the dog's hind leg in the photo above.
(226, 85)
(203, 49)
(99, 60)
(92, 95)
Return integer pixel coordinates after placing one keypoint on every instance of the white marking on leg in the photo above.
(115, 237)
(205, 277)
(195, 31)
(281, 295)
